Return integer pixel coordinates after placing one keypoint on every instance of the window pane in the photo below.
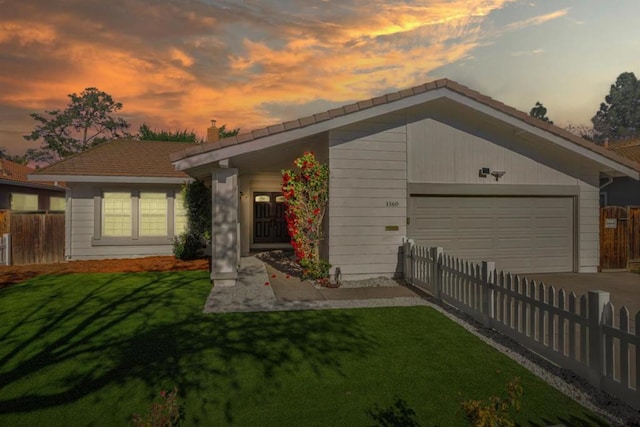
(116, 214)
(263, 199)
(180, 211)
(153, 214)
(57, 203)
(24, 202)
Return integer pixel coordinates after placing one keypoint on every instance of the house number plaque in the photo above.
(393, 204)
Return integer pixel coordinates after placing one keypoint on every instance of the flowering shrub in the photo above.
(306, 192)
(496, 411)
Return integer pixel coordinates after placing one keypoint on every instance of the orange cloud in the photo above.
(27, 33)
(238, 77)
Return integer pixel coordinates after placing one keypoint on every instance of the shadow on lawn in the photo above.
(151, 329)
(400, 414)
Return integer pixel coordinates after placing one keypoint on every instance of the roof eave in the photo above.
(607, 163)
(112, 179)
(206, 157)
(37, 185)
(185, 161)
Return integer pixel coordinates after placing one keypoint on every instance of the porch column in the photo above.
(224, 227)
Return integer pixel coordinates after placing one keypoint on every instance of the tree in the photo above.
(86, 122)
(224, 133)
(146, 134)
(540, 112)
(583, 131)
(619, 116)
(15, 158)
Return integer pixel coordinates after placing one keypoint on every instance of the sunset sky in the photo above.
(176, 64)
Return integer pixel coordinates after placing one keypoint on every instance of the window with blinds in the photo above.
(153, 214)
(24, 202)
(116, 214)
(57, 204)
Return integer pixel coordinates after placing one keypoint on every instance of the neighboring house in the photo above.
(439, 163)
(124, 199)
(18, 194)
(622, 191)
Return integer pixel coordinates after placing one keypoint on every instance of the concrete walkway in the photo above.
(623, 287)
(262, 288)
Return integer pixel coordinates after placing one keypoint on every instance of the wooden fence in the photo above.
(619, 237)
(577, 333)
(36, 238)
(5, 217)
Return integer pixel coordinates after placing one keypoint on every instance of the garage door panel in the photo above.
(466, 223)
(520, 234)
(471, 244)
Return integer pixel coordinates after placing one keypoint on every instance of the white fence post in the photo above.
(596, 300)
(488, 278)
(407, 255)
(436, 257)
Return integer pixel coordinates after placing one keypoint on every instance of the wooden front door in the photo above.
(269, 224)
(614, 247)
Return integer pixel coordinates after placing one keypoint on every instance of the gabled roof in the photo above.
(629, 149)
(118, 161)
(251, 141)
(16, 174)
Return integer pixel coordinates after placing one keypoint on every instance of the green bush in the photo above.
(188, 246)
(197, 201)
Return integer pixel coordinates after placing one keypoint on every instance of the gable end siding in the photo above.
(368, 192)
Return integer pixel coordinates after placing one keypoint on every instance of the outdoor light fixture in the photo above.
(484, 172)
(497, 174)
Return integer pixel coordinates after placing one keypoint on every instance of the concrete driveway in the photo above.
(623, 287)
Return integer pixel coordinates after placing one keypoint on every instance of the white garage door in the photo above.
(520, 234)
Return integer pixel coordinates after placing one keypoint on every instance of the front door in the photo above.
(269, 224)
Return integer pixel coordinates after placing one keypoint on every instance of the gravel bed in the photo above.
(376, 282)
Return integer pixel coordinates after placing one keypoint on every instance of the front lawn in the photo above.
(92, 349)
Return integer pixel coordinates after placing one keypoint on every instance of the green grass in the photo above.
(93, 349)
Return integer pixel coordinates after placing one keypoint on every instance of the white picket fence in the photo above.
(5, 249)
(578, 333)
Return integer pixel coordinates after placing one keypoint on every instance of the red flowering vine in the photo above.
(306, 192)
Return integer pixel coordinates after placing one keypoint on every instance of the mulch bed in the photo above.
(19, 273)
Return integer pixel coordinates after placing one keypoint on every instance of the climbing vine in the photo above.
(306, 192)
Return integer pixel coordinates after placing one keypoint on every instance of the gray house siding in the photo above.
(442, 153)
(83, 229)
(368, 196)
(374, 162)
